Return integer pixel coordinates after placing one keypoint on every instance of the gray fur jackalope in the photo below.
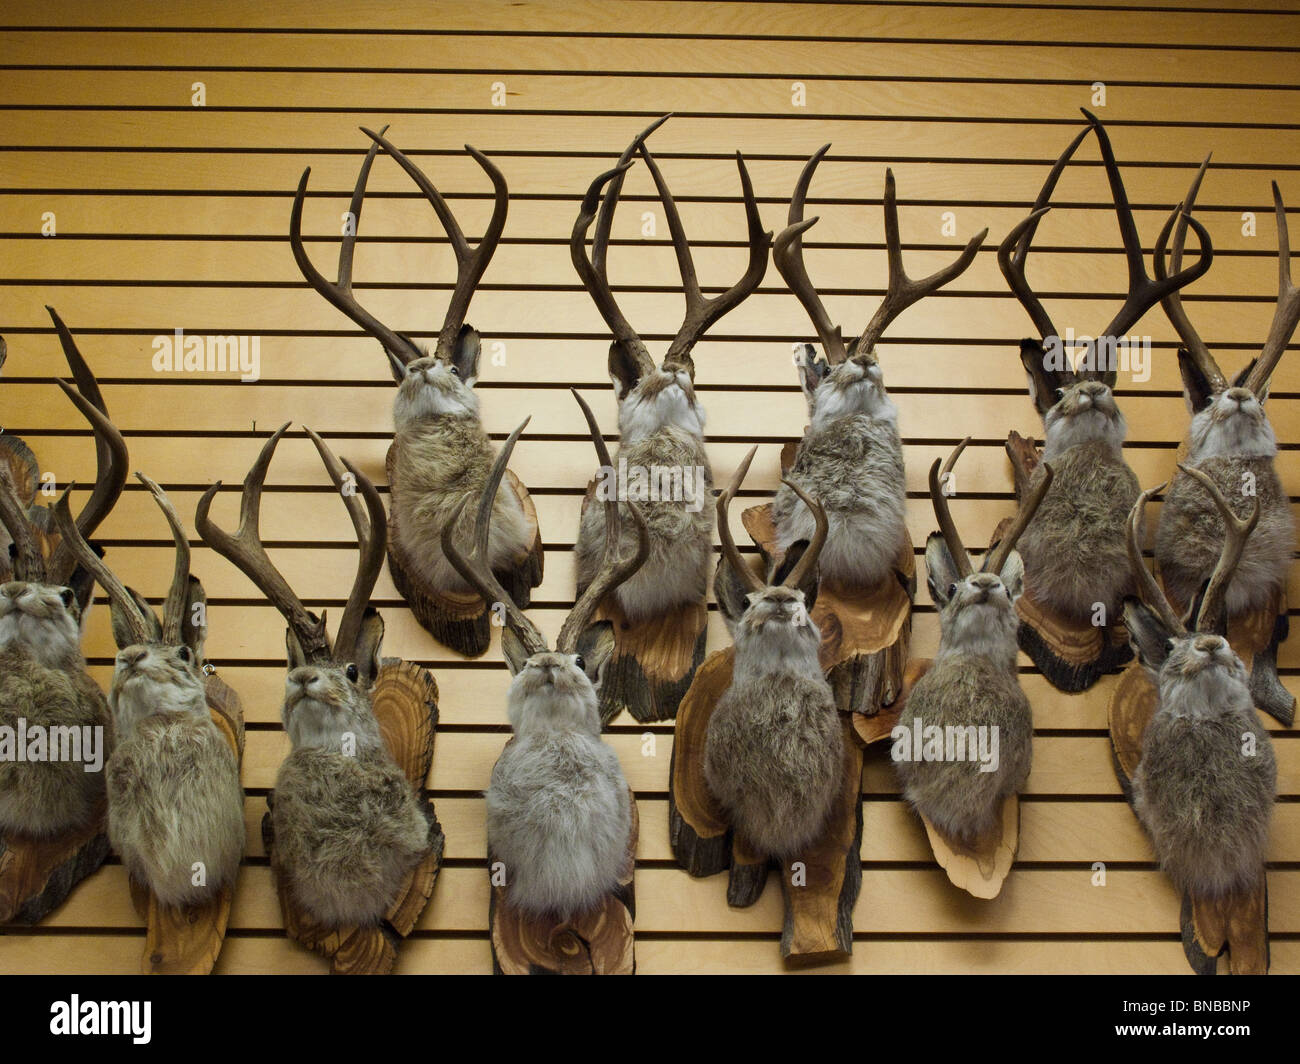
(851, 457)
(174, 796)
(1205, 784)
(1232, 442)
(440, 449)
(660, 419)
(972, 683)
(43, 678)
(774, 748)
(1073, 549)
(559, 811)
(347, 824)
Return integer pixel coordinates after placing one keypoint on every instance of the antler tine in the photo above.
(1288, 306)
(1014, 249)
(593, 275)
(1212, 616)
(902, 291)
(1173, 302)
(29, 564)
(1143, 293)
(245, 551)
(605, 217)
(178, 593)
(371, 526)
(470, 265)
(948, 527)
(126, 605)
(998, 558)
(1147, 588)
(701, 313)
(476, 569)
(612, 572)
(338, 294)
(110, 479)
(787, 253)
(729, 551)
(808, 560)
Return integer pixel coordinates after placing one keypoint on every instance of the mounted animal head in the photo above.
(781, 611)
(552, 689)
(159, 666)
(849, 380)
(651, 396)
(1186, 653)
(977, 607)
(328, 690)
(1074, 395)
(1228, 417)
(41, 603)
(437, 383)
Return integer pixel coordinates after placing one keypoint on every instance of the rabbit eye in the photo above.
(455, 372)
(952, 590)
(577, 660)
(67, 596)
(1060, 394)
(352, 673)
(185, 655)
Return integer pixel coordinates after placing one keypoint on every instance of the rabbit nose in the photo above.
(1239, 395)
(1207, 643)
(132, 656)
(1085, 400)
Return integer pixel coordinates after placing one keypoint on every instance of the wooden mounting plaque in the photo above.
(653, 661)
(1236, 924)
(1072, 654)
(187, 940)
(463, 621)
(405, 699)
(600, 942)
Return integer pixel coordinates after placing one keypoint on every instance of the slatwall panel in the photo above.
(174, 216)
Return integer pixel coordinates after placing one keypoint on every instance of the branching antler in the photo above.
(947, 526)
(1288, 306)
(598, 204)
(28, 563)
(612, 572)
(901, 291)
(997, 558)
(1147, 588)
(729, 551)
(245, 551)
(178, 594)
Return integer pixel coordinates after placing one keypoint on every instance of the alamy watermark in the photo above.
(635, 483)
(1102, 354)
(930, 742)
(62, 742)
(179, 353)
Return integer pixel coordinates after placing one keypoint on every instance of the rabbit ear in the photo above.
(810, 582)
(1012, 575)
(812, 371)
(624, 369)
(1197, 389)
(513, 650)
(194, 624)
(1047, 371)
(940, 570)
(1239, 381)
(123, 633)
(1150, 637)
(596, 645)
(293, 648)
(370, 639)
(465, 358)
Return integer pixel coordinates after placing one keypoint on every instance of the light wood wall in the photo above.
(175, 216)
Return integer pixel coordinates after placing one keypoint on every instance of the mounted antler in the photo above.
(997, 557)
(807, 562)
(1288, 306)
(1148, 590)
(701, 313)
(1143, 292)
(245, 551)
(475, 568)
(470, 265)
(901, 291)
(1213, 613)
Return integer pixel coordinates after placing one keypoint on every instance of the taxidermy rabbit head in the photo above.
(977, 608)
(649, 396)
(327, 692)
(41, 607)
(849, 380)
(552, 690)
(1228, 417)
(1074, 398)
(159, 666)
(440, 383)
